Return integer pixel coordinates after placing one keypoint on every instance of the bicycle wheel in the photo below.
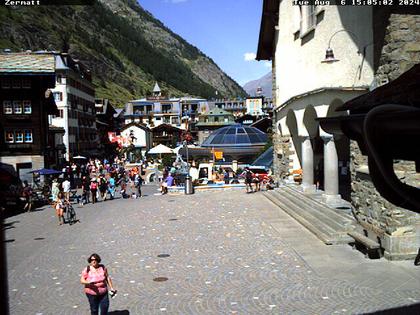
(68, 214)
(72, 215)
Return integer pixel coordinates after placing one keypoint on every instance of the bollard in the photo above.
(189, 189)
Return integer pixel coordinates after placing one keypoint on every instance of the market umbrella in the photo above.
(79, 157)
(46, 171)
(160, 149)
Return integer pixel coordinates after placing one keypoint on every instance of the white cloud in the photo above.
(249, 56)
(267, 64)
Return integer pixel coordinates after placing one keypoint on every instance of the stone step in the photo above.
(330, 216)
(308, 198)
(326, 233)
(322, 235)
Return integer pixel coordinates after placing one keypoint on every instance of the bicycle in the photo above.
(70, 214)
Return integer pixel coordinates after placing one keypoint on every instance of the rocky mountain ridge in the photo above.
(126, 48)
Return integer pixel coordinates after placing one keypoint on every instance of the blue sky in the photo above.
(225, 30)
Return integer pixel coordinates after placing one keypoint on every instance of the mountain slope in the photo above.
(126, 48)
(264, 82)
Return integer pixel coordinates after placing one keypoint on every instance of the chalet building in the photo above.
(137, 138)
(26, 80)
(75, 98)
(119, 119)
(324, 57)
(235, 106)
(105, 123)
(212, 120)
(155, 110)
(167, 135)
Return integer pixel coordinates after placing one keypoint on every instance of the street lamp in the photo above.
(188, 180)
(329, 53)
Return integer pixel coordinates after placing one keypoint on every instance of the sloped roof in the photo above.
(156, 88)
(269, 19)
(235, 136)
(27, 62)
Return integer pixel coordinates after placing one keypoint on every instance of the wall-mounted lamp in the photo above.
(329, 53)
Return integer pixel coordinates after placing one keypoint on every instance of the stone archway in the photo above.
(342, 146)
(312, 127)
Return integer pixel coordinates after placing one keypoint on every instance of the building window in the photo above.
(18, 136)
(26, 83)
(16, 83)
(308, 19)
(61, 113)
(58, 96)
(59, 78)
(27, 107)
(5, 83)
(7, 107)
(9, 137)
(17, 107)
(28, 136)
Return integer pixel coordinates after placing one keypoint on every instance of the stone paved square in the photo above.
(230, 253)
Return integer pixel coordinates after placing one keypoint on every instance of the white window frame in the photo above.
(6, 83)
(9, 133)
(16, 83)
(18, 136)
(17, 107)
(7, 107)
(307, 19)
(58, 96)
(27, 104)
(28, 132)
(26, 83)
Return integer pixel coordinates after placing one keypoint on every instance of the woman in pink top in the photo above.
(96, 280)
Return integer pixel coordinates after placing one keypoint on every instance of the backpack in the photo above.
(93, 185)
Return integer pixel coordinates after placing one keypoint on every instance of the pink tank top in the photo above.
(99, 277)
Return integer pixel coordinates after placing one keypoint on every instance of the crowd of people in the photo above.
(97, 180)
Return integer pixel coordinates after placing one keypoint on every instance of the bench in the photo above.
(370, 245)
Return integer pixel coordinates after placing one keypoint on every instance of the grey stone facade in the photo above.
(397, 229)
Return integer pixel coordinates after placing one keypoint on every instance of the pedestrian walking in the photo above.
(94, 189)
(27, 194)
(138, 183)
(248, 174)
(55, 189)
(97, 284)
(85, 189)
(59, 208)
(66, 188)
(111, 187)
(103, 187)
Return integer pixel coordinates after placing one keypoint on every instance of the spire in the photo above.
(156, 90)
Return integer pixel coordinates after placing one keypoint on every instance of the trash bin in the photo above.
(189, 189)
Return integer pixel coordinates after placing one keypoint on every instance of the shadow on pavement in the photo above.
(124, 312)
(413, 309)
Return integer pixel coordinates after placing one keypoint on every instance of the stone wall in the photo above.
(281, 160)
(401, 49)
(397, 229)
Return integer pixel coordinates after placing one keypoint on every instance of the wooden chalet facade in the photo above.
(26, 100)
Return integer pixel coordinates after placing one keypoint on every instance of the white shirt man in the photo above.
(66, 189)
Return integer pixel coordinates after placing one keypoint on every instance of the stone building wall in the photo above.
(397, 229)
(281, 161)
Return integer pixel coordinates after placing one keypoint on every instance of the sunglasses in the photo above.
(93, 259)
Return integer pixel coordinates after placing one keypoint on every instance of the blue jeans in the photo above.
(98, 302)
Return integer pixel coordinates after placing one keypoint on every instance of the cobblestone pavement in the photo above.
(230, 253)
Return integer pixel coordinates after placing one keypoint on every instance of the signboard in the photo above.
(218, 155)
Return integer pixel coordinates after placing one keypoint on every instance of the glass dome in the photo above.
(235, 135)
